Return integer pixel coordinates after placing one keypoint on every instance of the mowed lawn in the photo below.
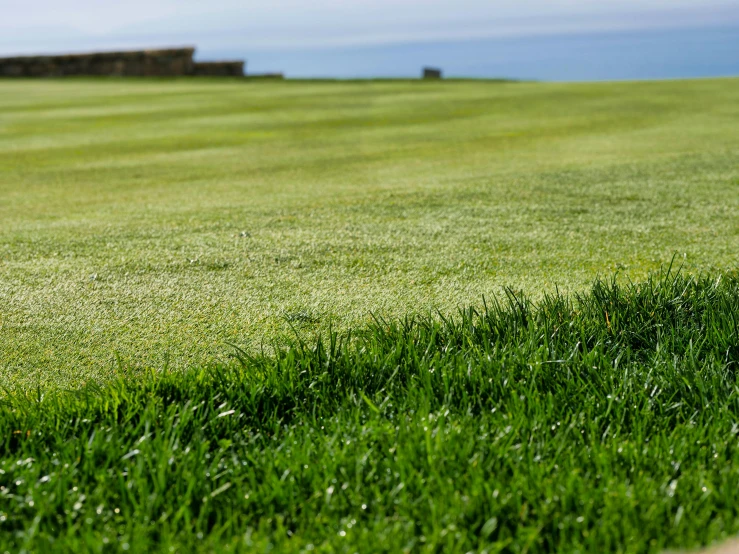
(150, 223)
(230, 316)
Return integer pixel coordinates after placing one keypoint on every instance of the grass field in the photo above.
(147, 223)
(607, 424)
(230, 316)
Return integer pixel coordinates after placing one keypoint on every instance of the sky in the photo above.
(54, 25)
(287, 28)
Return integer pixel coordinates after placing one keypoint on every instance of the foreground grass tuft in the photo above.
(602, 422)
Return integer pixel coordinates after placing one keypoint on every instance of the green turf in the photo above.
(145, 223)
(605, 423)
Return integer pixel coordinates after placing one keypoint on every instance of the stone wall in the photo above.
(219, 69)
(142, 63)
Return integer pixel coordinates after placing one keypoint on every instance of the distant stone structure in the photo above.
(219, 69)
(171, 62)
(431, 73)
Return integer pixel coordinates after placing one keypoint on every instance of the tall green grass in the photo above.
(607, 421)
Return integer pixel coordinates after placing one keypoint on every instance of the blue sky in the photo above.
(40, 26)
